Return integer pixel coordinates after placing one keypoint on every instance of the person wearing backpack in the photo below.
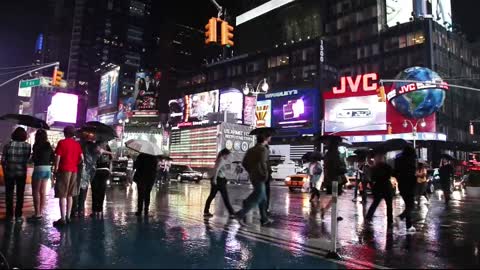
(219, 183)
(256, 164)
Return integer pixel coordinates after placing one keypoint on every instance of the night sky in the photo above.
(22, 20)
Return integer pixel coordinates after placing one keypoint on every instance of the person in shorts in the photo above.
(68, 157)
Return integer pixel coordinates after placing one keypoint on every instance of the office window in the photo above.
(276, 61)
(402, 41)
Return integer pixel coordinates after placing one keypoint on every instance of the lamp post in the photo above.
(422, 123)
(262, 88)
(122, 137)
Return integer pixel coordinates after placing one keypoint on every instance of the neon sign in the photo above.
(368, 81)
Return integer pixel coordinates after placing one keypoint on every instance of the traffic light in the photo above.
(227, 34)
(472, 132)
(389, 129)
(57, 77)
(211, 31)
(381, 94)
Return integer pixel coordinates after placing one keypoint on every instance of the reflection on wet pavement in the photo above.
(175, 235)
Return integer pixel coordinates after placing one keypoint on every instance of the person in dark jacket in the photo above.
(445, 172)
(145, 173)
(405, 172)
(256, 164)
(100, 177)
(43, 157)
(382, 189)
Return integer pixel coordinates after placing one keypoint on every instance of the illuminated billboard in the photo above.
(108, 93)
(92, 114)
(203, 104)
(249, 106)
(361, 113)
(296, 109)
(177, 111)
(398, 11)
(231, 100)
(147, 87)
(63, 108)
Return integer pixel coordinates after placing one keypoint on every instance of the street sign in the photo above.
(29, 83)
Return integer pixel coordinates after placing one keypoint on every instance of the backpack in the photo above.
(247, 160)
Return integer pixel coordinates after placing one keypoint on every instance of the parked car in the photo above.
(183, 172)
(119, 171)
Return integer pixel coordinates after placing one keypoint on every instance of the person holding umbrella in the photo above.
(219, 183)
(15, 156)
(100, 177)
(145, 171)
(405, 172)
(382, 189)
(256, 164)
(315, 170)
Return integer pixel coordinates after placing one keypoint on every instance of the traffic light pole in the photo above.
(30, 71)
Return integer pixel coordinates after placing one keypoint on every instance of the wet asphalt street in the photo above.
(175, 235)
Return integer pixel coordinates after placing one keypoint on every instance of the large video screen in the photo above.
(202, 104)
(63, 108)
(442, 12)
(107, 96)
(295, 111)
(363, 113)
(263, 113)
(177, 111)
(398, 11)
(231, 100)
(147, 87)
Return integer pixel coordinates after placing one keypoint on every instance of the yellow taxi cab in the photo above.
(300, 181)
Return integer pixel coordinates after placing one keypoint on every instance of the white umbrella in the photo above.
(144, 147)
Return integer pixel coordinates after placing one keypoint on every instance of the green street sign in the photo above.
(30, 83)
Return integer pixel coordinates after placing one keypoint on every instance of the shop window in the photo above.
(419, 38)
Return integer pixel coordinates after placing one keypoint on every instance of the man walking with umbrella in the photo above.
(256, 164)
(405, 172)
(446, 173)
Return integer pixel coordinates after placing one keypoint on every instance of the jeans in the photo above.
(81, 198)
(267, 193)
(99, 187)
(364, 189)
(257, 197)
(10, 182)
(378, 197)
(222, 187)
(144, 188)
(409, 200)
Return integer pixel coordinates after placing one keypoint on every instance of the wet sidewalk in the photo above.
(175, 235)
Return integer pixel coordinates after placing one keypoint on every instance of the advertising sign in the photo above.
(291, 109)
(177, 111)
(249, 110)
(398, 11)
(107, 96)
(147, 86)
(231, 100)
(202, 104)
(92, 114)
(63, 108)
(355, 114)
(263, 113)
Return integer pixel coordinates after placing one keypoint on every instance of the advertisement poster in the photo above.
(147, 86)
(92, 114)
(237, 139)
(263, 113)
(249, 110)
(296, 110)
(202, 104)
(362, 113)
(177, 111)
(398, 11)
(231, 100)
(107, 96)
(63, 109)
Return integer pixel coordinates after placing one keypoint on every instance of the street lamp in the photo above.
(262, 88)
(414, 128)
(123, 122)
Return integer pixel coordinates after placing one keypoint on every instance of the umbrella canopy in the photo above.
(341, 141)
(362, 153)
(312, 156)
(353, 158)
(144, 147)
(392, 145)
(263, 131)
(25, 120)
(447, 157)
(162, 157)
(102, 132)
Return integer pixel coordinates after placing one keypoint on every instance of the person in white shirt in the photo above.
(219, 183)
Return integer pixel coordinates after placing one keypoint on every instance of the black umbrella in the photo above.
(263, 131)
(102, 132)
(312, 156)
(25, 120)
(328, 139)
(392, 145)
(353, 158)
(162, 157)
(447, 157)
(362, 153)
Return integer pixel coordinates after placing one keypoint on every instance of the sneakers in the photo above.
(266, 222)
(207, 215)
(411, 230)
(241, 220)
(59, 223)
(18, 220)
